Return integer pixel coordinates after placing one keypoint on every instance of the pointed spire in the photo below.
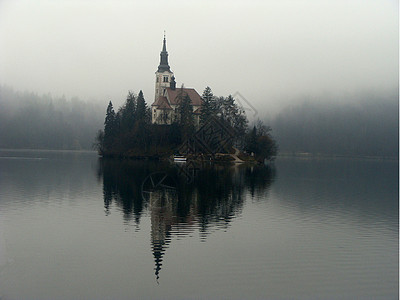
(164, 66)
(164, 48)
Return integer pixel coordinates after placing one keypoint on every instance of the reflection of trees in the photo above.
(212, 199)
(122, 181)
(258, 179)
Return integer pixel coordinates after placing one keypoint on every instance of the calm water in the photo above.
(75, 227)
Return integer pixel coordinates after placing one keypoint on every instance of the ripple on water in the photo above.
(314, 231)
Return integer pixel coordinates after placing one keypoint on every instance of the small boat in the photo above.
(179, 158)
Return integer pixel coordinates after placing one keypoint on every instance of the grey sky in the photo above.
(270, 51)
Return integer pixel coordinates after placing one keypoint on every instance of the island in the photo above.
(180, 123)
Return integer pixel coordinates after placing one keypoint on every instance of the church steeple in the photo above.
(164, 66)
(164, 75)
(164, 49)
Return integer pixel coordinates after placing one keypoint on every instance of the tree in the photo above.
(219, 102)
(240, 125)
(235, 117)
(262, 129)
(267, 148)
(260, 142)
(186, 117)
(128, 112)
(175, 134)
(208, 108)
(99, 142)
(251, 141)
(109, 126)
(229, 110)
(142, 112)
(140, 134)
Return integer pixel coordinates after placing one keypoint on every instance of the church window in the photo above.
(165, 78)
(157, 79)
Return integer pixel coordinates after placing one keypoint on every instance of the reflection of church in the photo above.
(164, 222)
(162, 214)
(167, 98)
(177, 208)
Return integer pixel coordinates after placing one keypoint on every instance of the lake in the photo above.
(73, 226)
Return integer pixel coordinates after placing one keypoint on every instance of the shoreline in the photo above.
(302, 155)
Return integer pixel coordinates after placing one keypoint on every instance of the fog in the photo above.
(31, 121)
(367, 126)
(272, 52)
(72, 57)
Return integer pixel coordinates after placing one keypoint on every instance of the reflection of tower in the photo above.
(216, 196)
(158, 252)
(162, 217)
(160, 192)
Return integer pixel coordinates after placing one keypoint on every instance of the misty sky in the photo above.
(272, 52)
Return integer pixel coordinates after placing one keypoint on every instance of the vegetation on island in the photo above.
(363, 125)
(129, 132)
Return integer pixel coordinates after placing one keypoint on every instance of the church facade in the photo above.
(164, 110)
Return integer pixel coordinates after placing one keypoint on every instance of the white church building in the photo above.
(164, 110)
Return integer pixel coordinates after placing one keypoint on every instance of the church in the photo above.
(164, 110)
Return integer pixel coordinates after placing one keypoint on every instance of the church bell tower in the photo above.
(164, 75)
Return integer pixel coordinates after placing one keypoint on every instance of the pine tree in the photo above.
(260, 142)
(186, 117)
(142, 112)
(208, 108)
(235, 117)
(142, 121)
(240, 125)
(109, 127)
(251, 141)
(230, 110)
(128, 113)
(99, 142)
(218, 105)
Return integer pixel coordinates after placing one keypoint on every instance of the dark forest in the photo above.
(364, 127)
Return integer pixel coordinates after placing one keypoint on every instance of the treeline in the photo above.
(367, 127)
(255, 141)
(129, 132)
(30, 121)
(363, 127)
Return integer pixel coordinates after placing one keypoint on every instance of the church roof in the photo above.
(173, 97)
(162, 103)
(193, 95)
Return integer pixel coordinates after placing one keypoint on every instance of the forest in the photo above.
(30, 121)
(366, 126)
(129, 132)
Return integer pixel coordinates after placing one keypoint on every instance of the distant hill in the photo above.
(368, 127)
(42, 122)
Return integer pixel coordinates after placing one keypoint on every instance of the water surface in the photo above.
(73, 226)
